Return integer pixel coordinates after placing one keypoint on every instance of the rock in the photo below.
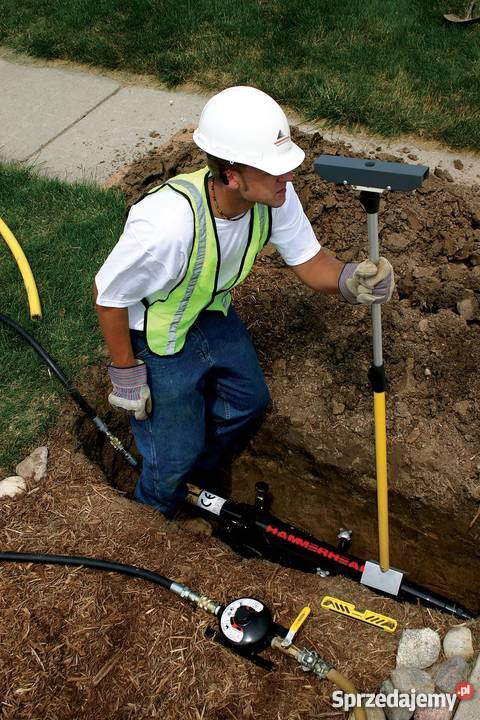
(34, 466)
(433, 713)
(458, 641)
(11, 486)
(394, 713)
(330, 202)
(418, 648)
(396, 241)
(449, 673)
(414, 221)
(462, 408)
(458, 164)
(402, 409)
(337, 407)
(468, 306)
(408, 679)
(279, 366)
(443, 174)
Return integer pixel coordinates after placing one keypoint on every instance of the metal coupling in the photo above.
(202, 601)
(208, 605)
(310, 661)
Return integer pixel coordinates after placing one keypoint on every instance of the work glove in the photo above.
(367, 283)
(130, 390)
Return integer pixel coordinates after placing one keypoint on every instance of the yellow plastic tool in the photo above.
(367, 616)
(295, 627)
(25, 270)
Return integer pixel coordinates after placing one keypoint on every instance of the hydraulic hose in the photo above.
(25, 270)
(185, 592)
(70, 387)
(88, 562)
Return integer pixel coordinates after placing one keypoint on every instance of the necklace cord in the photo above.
(217, 207)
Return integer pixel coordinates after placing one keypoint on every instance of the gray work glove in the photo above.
(130, 390)
(367, 283)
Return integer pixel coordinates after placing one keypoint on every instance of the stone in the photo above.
(462, 408)
(408, 679)
(458, 641)
(12, 486)
(433, 713)
(34, 466)
(394, 713)
(396, 241)
(418, 648)
(449, 673)
(458, 164)
(279, 366)
(337, 407)
(468, 306)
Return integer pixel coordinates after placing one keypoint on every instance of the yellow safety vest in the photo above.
(169, 318)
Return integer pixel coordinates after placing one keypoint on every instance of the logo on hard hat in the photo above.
(281, 138)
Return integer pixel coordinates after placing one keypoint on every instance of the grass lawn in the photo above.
(66, 231)
(394, 66)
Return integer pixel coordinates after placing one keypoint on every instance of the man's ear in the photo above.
(232, 178)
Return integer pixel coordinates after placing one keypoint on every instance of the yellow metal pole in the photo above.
(382, 482)
(25, 270)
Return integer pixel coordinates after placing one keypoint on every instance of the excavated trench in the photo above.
(431, 547)
(316, 447)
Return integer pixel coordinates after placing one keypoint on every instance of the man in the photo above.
(183, 365)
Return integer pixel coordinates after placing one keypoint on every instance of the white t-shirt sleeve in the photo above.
(292, 233)
(152, 253)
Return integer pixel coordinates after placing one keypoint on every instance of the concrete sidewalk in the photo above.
(74, 125)
(78, 125)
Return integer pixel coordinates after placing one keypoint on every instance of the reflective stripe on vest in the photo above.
(169, 318)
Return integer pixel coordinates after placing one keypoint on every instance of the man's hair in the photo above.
(218, 166)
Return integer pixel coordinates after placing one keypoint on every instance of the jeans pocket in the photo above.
(143, 352)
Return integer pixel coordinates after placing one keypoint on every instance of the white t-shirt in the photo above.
(153, 251)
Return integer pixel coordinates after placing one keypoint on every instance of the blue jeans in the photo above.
(204, 399)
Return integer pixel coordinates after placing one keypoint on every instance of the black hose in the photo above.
(70, 387)
(90, 563)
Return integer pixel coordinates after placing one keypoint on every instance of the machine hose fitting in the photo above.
(202, 601)
(310, 661)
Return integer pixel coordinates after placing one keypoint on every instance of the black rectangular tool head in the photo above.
(370, 173)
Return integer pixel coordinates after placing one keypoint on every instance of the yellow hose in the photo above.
(344, 684)
(382, 483)
(333, 675)
(25, 270)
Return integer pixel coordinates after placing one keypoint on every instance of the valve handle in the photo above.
(295, 627)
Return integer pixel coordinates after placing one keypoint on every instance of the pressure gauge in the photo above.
(246, 624)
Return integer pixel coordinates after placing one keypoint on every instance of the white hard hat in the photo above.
(245, 125)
